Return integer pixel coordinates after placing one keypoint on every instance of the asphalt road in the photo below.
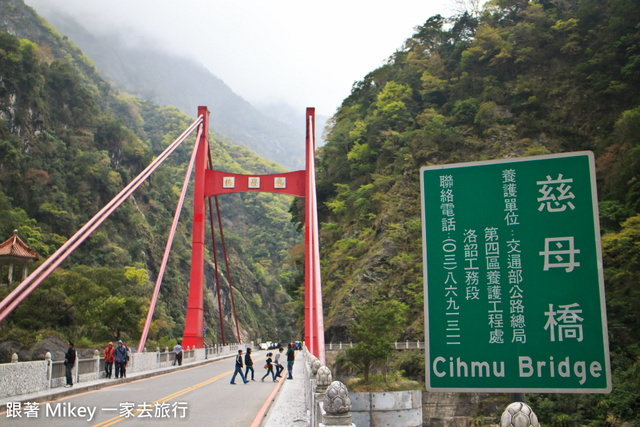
(201, 396)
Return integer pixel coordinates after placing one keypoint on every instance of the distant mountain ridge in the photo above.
(145, 71)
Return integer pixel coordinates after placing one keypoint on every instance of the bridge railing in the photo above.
(327, 401)
(57, 373)
(19, 378)
(399, 345)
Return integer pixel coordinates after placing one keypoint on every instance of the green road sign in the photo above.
(513, 283)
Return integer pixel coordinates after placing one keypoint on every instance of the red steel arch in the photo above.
(208, 183)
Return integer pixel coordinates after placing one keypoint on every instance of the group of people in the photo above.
(118, 355)
(269, 366)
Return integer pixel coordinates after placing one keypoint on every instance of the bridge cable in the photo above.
(224, 251)
(172, 233)
(317, 288)
(43, 271)
(215, 256)
(215, 261)
(309, 265)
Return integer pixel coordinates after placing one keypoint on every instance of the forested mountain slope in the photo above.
(68, 144)
(144, 70)
(521, 78)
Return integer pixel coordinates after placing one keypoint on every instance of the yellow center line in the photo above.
(119, 418)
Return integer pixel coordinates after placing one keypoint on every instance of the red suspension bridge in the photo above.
(208, 185)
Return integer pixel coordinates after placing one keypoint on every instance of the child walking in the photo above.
(270, 368)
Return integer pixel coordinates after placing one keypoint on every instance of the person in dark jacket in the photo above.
(69, 363)
(109, 357)
(291, 357)
(123, 373)
(239, 366)
(249, 364)
(269, 367)
(121, 359)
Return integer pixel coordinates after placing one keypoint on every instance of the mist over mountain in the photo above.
(141, 67)
(294, 117)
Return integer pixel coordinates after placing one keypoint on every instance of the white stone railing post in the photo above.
(47, 358)
(337, 406)
(307, 384)
(96, 356)
(314, 365)
(76, 366)
(323, 380)
(519, 414)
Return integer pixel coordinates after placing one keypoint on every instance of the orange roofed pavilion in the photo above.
(15, 252)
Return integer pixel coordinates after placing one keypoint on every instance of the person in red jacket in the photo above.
(109, 357)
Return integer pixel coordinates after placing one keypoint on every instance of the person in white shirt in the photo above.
(279, 367)
(178, 351)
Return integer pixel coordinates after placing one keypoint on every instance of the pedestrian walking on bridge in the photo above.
(120, 355)
(126, 361)
(69, 363)
(269, 368)
(239, 366)
(249, 364)
(291, 357)
(279, 367)
(178, 351)
(109, 358)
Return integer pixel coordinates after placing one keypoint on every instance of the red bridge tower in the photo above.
(208, 183)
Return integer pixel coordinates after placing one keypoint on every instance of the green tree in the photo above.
(376, 328)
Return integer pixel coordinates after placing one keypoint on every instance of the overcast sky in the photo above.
(303, 53)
